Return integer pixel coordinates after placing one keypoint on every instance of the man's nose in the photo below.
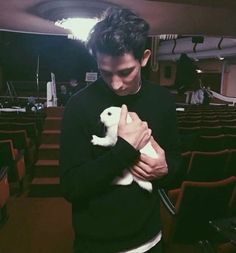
(116, 82)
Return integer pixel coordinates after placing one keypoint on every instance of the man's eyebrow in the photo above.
(126, 69)
(100, 69)
(119, 71)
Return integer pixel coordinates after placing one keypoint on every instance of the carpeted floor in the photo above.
(37, 225)
(43, 225)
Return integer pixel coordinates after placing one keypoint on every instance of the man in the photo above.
(112, 218)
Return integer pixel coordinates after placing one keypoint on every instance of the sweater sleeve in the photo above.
(171, 146)
(83, 175)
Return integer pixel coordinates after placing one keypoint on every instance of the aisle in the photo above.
(37, 225)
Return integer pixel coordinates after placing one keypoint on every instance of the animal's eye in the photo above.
(109, 113)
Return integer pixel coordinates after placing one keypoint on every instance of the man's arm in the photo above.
(148, 168)
(165, 165)
(82, 174)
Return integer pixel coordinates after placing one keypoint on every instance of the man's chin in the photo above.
(121, 93)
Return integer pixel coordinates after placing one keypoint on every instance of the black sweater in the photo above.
(113, 217)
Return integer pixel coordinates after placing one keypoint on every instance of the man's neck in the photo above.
(135, 92)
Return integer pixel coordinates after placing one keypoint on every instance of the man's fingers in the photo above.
(134, 116)
(123, 115)
(140, 173)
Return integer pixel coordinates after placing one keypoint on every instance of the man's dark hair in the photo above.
(119, 32)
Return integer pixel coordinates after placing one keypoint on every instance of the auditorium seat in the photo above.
(30, 129)
(211, 130)
(193, 117)
(229, 130)
(182, 170)
(207, 166)
(230, 141)
(22, 143)
(209, 117)
(189, 130)
(226, 116)
(188, 140)
(186, 212)
(210, 143)
(4, 195)
(228, 122)
(231, 163)
(210, 123)
(14, 161)
(189, 123)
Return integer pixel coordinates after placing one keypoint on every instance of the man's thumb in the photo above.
(123, 114)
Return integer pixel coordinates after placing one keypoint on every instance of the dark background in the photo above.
(64, 57)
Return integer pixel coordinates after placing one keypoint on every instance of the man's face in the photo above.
(121, 73)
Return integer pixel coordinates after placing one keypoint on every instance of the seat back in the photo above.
(210, 123)
(211, 130)
(230, 141)
(228, 122)
(182, 169)
(13, 160)
(199, 202)
(207, 166)
(229, 129)
(7, 158)
(231, 163)
(4, 187)
(210, 143)
(18, 137)
(189, 123)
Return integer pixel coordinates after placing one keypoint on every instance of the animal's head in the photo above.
(110, 116)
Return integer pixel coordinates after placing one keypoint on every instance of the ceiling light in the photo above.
(79, 27)
(221, 58)
(199, 70)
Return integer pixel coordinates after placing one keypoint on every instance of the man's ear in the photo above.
(146, 55)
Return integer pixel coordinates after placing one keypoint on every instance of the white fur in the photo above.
(110, 118)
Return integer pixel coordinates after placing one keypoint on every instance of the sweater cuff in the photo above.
(126, 154)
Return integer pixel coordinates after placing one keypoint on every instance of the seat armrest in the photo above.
(166, 201)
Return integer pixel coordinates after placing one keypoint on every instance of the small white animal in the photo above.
(110, 118)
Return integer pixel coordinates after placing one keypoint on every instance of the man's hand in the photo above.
(136, 133)
(148, 168)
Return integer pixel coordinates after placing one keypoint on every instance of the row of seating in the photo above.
(22, 143)
(197, 142)
(206, 123)
(19, 140)
(188, 211)
(205, 166)
(223, 115)
(14, 160)
(203, 130)
(38, 121)
(205, 184)
(197, 114)
(208, 108)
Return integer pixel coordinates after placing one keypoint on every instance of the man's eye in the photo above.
(125, 73)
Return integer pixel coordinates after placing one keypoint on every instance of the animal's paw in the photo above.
(95, 140)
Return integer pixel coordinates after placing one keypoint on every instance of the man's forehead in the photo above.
(125, 61)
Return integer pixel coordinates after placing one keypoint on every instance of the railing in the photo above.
(226, 99)
(216, 99)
